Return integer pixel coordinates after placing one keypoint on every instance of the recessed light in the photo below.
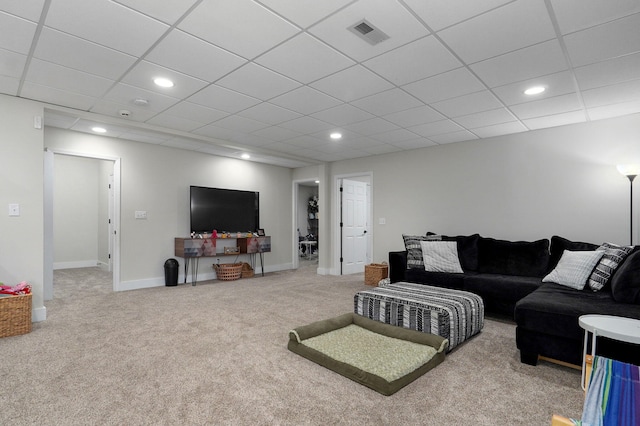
(99, 129)
(163, 82)
(317, 181)
(335, 136)
(535, 90)
(245, 156)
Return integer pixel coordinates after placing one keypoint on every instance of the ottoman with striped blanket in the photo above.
(453, 314)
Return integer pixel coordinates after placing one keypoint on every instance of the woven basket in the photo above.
(375, 272)
(228, 271)
(15, 315)
(247, 270)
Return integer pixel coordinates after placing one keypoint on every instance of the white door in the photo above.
(354, 226)
(110, 224)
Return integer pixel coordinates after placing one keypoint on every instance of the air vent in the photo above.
(369, 33)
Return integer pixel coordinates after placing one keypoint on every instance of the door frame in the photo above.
(295, 261)
(49, 155)
(337, 211)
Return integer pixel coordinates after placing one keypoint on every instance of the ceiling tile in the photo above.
(614, 110)
(417, 60)
(555, 120)
(342, 114)
(257, 81)
(30, 10)
(414, 116)
(306, 125)
(192, 56)
(240, 124)
(549, 106)
(11, 63)
(276, 133)
(436, 128)
(439, 14)
(173, 122)
(387, 102)
(371, 127)
(351, 84)
(606, 41)
(390, 17)
(134, 33)
(219, 98)
(467, 104)
(16, 34)
(304, 59)
(507, 28)
(574, 15)
(305, 100)
(52, 75)
(143, 74)
(396, 136)
(617, 93)
(499, 129)
(56, 96)
(540, 59)
(168, 12)
(305, 12)
(125, 94)
(460, 136)
(199, 113)
(556, 84)
(73, 52)
(445, 86)
(414, 143)
(485, 118)
(269, 113)
(217, 22)
(609, 72)
(112, 109)
(9, 85)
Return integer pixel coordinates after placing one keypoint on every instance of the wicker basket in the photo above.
(375, 272)
(228, 271)
(247, 270)
(15, 315)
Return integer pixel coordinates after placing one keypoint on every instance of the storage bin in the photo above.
(375, 272)
(15, 315)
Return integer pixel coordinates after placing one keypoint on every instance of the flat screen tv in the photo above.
(226, 210)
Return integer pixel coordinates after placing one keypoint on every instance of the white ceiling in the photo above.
(275, 77)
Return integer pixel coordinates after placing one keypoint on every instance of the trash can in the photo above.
(171, 272)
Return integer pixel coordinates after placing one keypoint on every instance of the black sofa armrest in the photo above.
(397, 265)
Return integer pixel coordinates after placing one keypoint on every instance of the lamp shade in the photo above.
(629, 169)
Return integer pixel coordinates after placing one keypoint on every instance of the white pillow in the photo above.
(574, 268)
(441, 256)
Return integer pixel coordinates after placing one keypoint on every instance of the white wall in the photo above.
(157, 179)
(21, 182)
(525, 186)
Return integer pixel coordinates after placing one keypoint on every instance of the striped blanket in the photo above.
(452, 314)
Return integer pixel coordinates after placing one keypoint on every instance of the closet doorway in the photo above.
(306, 241)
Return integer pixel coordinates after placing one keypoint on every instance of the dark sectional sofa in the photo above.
(508, 276)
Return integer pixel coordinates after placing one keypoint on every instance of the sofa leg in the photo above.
(528, 358)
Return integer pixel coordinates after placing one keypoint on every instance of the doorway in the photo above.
(354, 218)
(306, 224)
(81, 217)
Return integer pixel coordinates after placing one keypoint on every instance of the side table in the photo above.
(617, 328)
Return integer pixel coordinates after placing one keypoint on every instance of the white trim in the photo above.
(39, 314)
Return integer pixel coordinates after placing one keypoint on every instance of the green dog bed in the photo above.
(380, 356)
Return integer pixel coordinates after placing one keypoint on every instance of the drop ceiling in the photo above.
(274, 78)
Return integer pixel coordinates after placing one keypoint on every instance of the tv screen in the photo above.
(224, 210)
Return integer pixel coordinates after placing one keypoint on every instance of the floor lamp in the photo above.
(630, 171)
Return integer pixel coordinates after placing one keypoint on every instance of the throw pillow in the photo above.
(612, 258)
(574, 268)
(560, 244)
(625, 284)
(441, 256)
(414, 250)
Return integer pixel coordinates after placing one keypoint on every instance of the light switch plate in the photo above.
(140, 214)
(14, 209)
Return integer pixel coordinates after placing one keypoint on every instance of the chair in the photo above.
(612, 397)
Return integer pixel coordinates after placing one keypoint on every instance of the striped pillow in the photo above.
(414, 250)
(574, 268)
(613, 257)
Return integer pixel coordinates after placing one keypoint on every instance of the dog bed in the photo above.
(380, 356)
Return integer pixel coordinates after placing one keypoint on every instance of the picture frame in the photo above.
(261, 232)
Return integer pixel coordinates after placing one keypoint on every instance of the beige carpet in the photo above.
(216, 354)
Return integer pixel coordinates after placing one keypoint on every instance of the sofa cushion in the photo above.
(521, 258)
(414, 250)
(500, 292)
(574, 268)
(438, 279)
(441, 256)
(467, 250)
(560, 244)
(625, 284)
(610, 261)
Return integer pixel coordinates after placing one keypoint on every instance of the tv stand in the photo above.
(192, 249)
